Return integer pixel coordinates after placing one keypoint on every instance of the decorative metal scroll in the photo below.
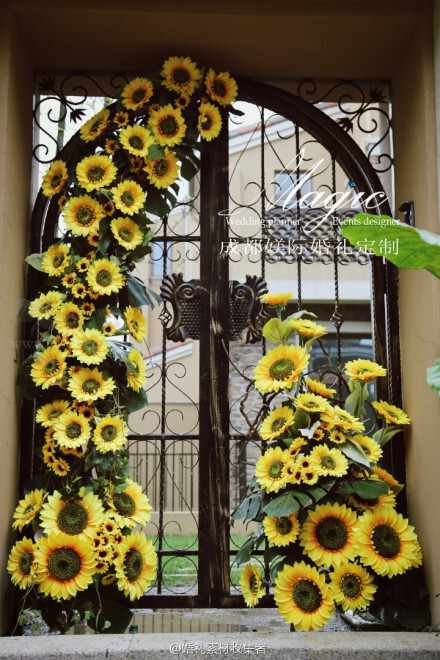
(246, 310)
(185, 300)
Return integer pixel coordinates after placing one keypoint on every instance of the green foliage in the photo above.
(277, 331)
(433, 377)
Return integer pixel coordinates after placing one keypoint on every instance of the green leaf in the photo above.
(351, 403)
(120, 350)
(35, 626)
(35, 260)
(277, 567)
(277, 331)
(97, 320)
(133, 400)
(301, 420)
(271, 553)
(302, 312)
(254, 506)
(155, 151)
(416, 248)
(369, 490)
(241, 511)
(356, 454)
(433, 377)
(138, 294)
(244, 554)
(188, 169)
(304, 499)
(282, 505)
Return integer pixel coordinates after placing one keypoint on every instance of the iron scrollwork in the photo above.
(185, 300)
(246, 309)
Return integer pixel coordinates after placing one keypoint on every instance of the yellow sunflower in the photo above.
(308, 329)
(65, 565)
(363, 370)
(387, 500)
(251, 583)
(221, 87)
(45, 305)
(110, 434)
(136, 140)
(210, 121)
(79, 517)
(79, 291)
(338, 437)
(60, 467)
(109, 579)
(386, 542)
(389, 479)
(89, 385)
(302, 596)
(95, 172)
(55, 178)
(330, 462)
(372, 450)
(162, 172)
(392, 414)
(62, 201)
(128, 197)
(49, 413)
(134, 95)
(130, 507)
(167, 125)
(135, 567)
(21, 563)
(121, 119)
(328, 536)
(181, 75)
(342, 419)
(69, 280)
(89, 346)
(317, 387)
(276, 422)
(127, 233)
(310, 475)
(311, 402)
(276, 299)
(352, 587)
(281, 530)
(270, 469)
(28, 508)
(48, 367)
(136, 370)
(104, 277)
(87, 308)
(56, 259)
(95, 126)
(68, 318)
(109, 329)
(280, 368)
(82, 215)
(110, 147)
(71, 430)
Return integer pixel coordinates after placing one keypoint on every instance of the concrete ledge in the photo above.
(275, 646)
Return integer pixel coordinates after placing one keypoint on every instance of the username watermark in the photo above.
(218, 648)
(318, 247)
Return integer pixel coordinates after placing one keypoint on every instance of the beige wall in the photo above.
(256, 39)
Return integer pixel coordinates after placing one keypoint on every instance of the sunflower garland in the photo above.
(325, 505)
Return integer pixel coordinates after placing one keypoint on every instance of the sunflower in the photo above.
(95, 172)
(108, 579)
(372, 450)
(65, 565)
(136, 163)
(95, 126)
(281, 530)
(311, 402)
(162, 172)
(276, 422)
(68, 318)
(181, 75)
(68, 280)
(121, 119)
(128, 197)
(45, 305)
(338, 437)
(21, 563)
(302, 596)
(79, 291)
(79, 517)
(308, 329)
(135, 567)
(136, 140)
(352, 586)
(167, 125)
(90, 385)
(104, 277)
(386, 542)
(363, 370)
(110, 147)
(280, 368)
(56, 259)
(310, 475)
(82, 215)
(87, 308)
(89, 346)
(71, 430)
(270, 469)
(130, 507)
(62, 201)
(388, 478)
(110, 434)
(221, 87)
(317, 387)
(28, 508)
(392, 414)
(109, 329)
(276, 299)
(136, 370)
(387, 500)
(126, 232)
(251, 583)
(182, 101)
(342, 419)
(135, 94)
(60, 467)
(210, 121)
(48, 367)
(82, 266)
(47, 414)
(55, 178)
(330, 462)
(327, 535)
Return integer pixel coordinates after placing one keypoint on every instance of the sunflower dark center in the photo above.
(124, 504)
(306, 595)
(127, 198)
(58, 259)
(109, 432)
(281, 369)
(161, 167)
(136, 142)
(253, 584)
(72, 320)
(90, 386)
(278, 424)
(73, 430)
(90, 347)
(46, 307)
(56, 180)
(73, 518)
(138, 95)
(95, 173)
(25, 562)
(275, 469)
(385, 541)
(133, 564)
(283, 525)
(64, 564)
(180, 75)
(331, 533)
(126, 234)
(85, 216)
(56, 412)
(51, 367)
(219, 87)
(206, 122)
(327, 462)
(104, 277)
(350, 585)
(96, 126)
(168, 126)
